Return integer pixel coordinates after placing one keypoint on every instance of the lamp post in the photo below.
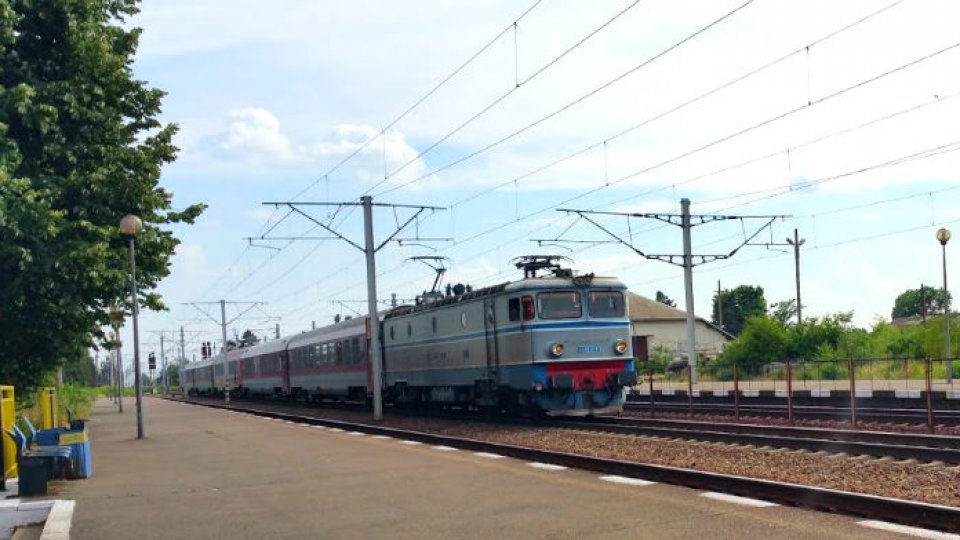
(943, 235)
(130, 227)
(116, 317)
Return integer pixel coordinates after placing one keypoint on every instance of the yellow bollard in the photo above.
(48, 407)
(8, 415)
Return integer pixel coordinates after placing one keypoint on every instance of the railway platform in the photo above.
(208, 473)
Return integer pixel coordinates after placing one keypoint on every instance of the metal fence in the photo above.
(857, 378)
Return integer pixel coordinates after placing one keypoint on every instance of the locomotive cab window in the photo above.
(559, 305)
(513, 309)
(605, 304)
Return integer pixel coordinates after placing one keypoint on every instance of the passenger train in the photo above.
(557, 344)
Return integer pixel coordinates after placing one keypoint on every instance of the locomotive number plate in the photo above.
(588, 349)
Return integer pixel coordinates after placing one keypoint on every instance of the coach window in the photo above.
(605, 304)
(528, 312)
(392, 337)
(463, 319)
(433, 324)
(513, 309)
(409, 330)
(559, 305)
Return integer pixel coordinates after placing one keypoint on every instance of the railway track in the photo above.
(921, 448)
(928, 448)
(883, 508)
(906, 416)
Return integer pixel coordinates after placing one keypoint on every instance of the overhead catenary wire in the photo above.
(676, 108)
(325, 176)
(575, 102)
(549, 64)
(514, 220)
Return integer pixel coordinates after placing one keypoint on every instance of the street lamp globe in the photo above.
(130, 226)
(943, 235)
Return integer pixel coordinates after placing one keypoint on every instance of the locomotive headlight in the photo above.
(556, 349)
(620, 346)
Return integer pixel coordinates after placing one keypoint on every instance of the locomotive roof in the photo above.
(547, 282)
(553, 282)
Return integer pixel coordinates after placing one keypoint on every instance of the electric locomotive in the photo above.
(558, 344)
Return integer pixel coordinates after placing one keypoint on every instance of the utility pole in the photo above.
(687, 260)
(688, 288)
(719, 305)
(119, 375)
(163, 365)
(796, 242)
(245, 307)
(183, 350)
(369, 249)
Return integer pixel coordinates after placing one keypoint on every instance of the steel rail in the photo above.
(911, 513)
(864, 436)
(796, 441)
(887, 416)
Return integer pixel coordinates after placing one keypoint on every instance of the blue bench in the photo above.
(56, 457)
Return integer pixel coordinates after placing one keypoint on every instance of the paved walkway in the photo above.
(204, 473)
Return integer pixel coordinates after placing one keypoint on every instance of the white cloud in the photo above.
(377, 155)
(253, 134)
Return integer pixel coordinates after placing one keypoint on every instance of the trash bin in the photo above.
(33, 476)
(79, 445)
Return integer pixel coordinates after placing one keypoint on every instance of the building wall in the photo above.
(673, 335)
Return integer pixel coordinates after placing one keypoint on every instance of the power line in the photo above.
(391, 124)
(573, 103)
(509, 92)
(419, 101)
(738, 79)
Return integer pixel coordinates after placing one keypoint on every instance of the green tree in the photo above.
(173, 375)
(923, 301)
(80, 146)
(784, 311)
(763, 341)
(739, 305)
(664, 299)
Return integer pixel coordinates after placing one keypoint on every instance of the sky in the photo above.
(841, 117)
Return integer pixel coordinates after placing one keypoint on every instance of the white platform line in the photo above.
(58, 522)
(380, 437)
(411, 443)
(488, 455)
(355, 433)
(443, 448)
(338, 430)
(904, 529)
(745, 501)
(546, 466)
(626, 480)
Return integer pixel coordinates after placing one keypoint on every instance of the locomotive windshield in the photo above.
(559, 305)
(605, 304)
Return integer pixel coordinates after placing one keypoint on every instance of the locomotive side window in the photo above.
(433, 323)
(513, 309)
(392, 337)
(605, 303)
(559, 305)
(463, 319)
(409, 330)
(528, 312)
